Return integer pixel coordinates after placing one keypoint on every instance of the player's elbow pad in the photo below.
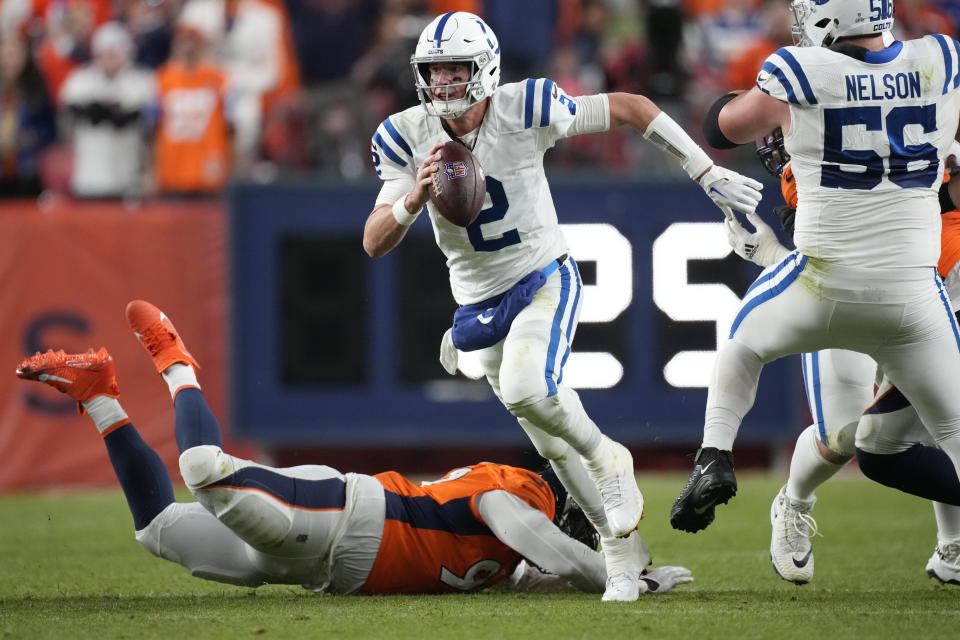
(711, 125)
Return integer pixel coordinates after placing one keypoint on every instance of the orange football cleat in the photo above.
(157, 335)
(82, 376)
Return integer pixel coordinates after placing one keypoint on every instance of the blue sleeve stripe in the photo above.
(438, 34)
(801, 76)
(528, 104)
(392, 130)
(956, 78)
(390, 153)
(773, 69)
(545, 102)
(947, 61)
(312, 495)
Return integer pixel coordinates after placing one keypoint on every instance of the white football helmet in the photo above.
(457, 37)
(818, 23)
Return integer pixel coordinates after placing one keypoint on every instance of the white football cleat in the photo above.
(944, 564)
(622, 587)
(611, 469)
(793, 526)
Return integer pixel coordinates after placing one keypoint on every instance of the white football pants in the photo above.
(903, 320)
(525, 370)
(251, 525)
(839, 385)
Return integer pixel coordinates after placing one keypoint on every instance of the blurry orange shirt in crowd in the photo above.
(700, 7)
(192, 149)
(443, 6)
(744, 66)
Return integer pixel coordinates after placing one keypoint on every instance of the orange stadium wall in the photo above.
(67, 273)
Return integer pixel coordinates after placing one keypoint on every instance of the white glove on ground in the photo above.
(729, 189)
(662, 579)
(760, 247)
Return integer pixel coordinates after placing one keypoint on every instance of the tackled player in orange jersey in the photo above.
(317, 527)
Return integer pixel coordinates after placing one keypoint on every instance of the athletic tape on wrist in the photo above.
(668, 136)
(400, 213)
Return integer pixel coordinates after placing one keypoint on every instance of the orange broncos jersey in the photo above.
(434, 540)
(193, 137)
(949, 239)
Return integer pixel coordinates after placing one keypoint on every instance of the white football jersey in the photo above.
(517, 230)
(867, 141)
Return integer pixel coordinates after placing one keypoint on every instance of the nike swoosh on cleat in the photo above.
(701, 510)
(800, 564)
(704, 468)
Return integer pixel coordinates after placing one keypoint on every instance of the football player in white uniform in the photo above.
(867, 121)
(885, 433)
(513, 258)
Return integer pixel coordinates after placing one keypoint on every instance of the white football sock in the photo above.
(733, 388)
(808, 468)
(105, 412)
(179, 375)
(568, 466)
(948, 522)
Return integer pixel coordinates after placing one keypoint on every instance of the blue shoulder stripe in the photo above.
(392, 130)
(774, 70)
(956, 78)
(947, 61)
(390, 153)
(528, 103)
(545, 94)
(801, 76)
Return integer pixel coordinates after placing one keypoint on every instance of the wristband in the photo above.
(668, 136)
(400, 213)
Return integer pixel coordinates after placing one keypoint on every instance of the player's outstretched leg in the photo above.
(712, 482)
(793, 526)
(89, 379)
(196, 424)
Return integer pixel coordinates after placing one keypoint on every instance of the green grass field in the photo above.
(70, 568)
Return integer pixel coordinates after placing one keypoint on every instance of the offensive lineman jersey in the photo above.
(517, 230)
(434, 539)
(878, 128)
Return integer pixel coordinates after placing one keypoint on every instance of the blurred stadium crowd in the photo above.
(134, 98)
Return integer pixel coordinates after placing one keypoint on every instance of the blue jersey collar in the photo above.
(886, 55)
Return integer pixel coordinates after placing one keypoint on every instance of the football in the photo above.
(459, 186)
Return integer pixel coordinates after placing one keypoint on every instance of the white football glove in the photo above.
(729, 189)
(662, 579)
(760, 247)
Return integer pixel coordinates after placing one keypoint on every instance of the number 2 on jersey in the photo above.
(923, 157)
(497, 211)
